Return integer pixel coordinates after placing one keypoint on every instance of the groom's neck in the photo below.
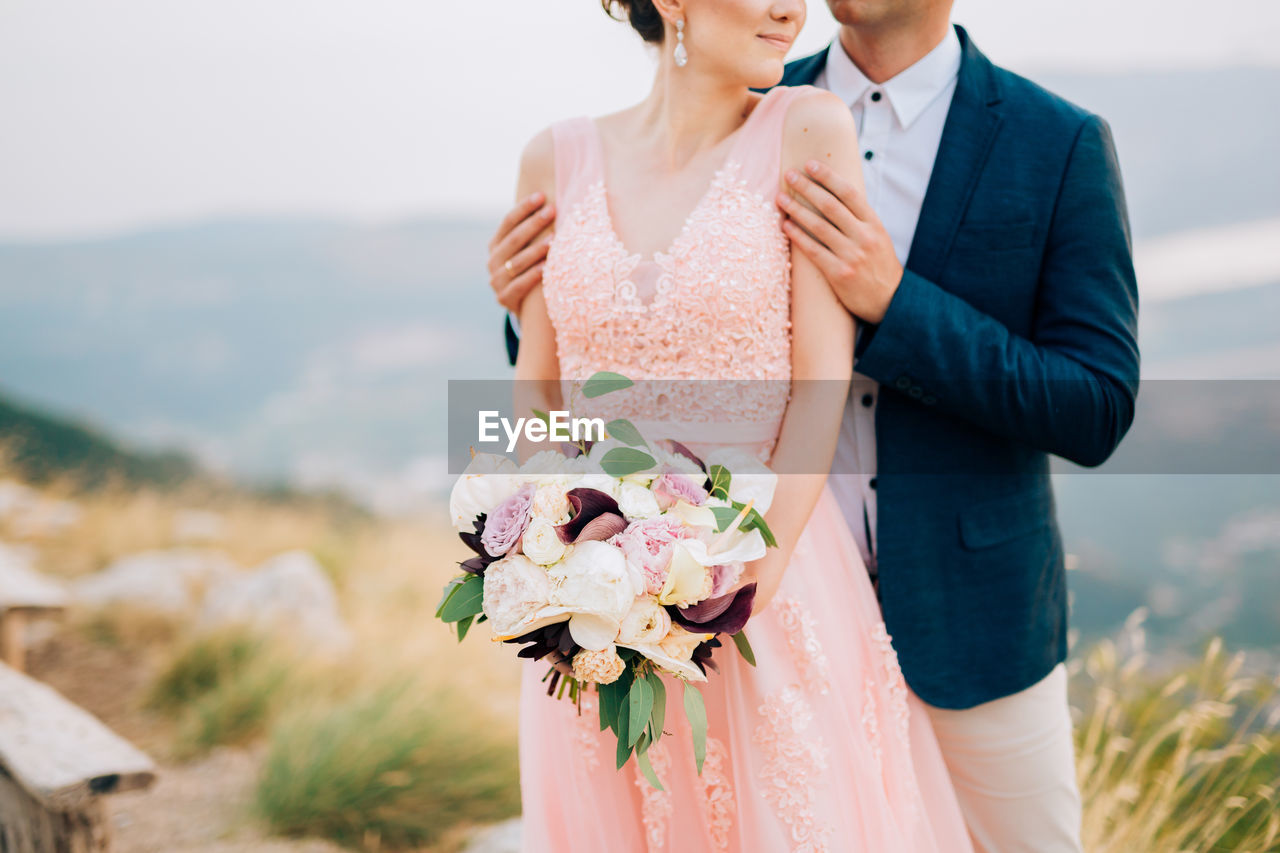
(882, 52)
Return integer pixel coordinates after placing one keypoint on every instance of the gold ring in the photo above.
(507, 267)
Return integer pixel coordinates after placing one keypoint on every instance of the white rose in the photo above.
(646, 622)
(541, 543)
(488, 481)
(637, 501)
(515, 590)
(750, 480)
(595, 585)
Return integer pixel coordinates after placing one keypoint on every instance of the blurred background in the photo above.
(242, 250)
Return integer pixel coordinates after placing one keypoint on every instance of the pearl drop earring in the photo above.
(681, 55)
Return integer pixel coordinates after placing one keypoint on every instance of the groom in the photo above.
(988, 262)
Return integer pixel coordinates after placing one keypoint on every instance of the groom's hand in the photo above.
(516, 253)
(837, 230)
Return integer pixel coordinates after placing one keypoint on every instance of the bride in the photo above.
(668, 262)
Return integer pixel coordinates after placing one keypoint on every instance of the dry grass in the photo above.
(1189, 763)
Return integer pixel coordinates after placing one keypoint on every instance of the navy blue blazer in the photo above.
(1012, 336)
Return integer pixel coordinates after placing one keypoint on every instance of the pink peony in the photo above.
(673, 485)
(506, 524)
(647, 545)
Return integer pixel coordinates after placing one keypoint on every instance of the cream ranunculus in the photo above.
(750, 479)
(488, 481)
(541, 542)
(515, 592)
(601, 667)
(646, 622)
(595, 585)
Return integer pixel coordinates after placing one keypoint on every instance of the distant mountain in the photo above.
(41, 448)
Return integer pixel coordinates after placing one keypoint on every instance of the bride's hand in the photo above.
(766, 574)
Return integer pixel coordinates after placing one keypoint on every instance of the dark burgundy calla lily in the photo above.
(476, 565)
(602, 527)
(588, 505)
(702, 655)
(727, 619)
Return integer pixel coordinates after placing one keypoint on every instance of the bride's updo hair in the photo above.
(643, 16)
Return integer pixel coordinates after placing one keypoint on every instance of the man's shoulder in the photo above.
(1027, 101)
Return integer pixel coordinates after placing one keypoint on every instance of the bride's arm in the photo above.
(537, 384)
(818, 127)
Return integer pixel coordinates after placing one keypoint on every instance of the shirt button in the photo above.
(867, 400)
(875, 96)
(873, 482)
(868, 155)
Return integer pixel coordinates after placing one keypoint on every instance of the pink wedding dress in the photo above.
(820, 746)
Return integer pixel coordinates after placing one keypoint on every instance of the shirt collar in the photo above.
(910, 90)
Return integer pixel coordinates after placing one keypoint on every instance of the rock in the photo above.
(30, 514)
(500, 838)
(198, 525)
(171, 581)
(289, 593)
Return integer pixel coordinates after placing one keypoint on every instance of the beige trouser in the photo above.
(1012, 761)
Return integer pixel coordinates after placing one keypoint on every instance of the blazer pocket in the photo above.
(995, 236)
(992, 522)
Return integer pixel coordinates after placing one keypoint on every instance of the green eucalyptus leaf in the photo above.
(625, 431)
(449, 589)
(696, 711)
(744, 647)
(724, 516)
(624, 742)
(603, 382)
(464, 625)
(621, 461)
(467, 600)
(640, 704)
(659, 716)
(642, 759)
(720, 480)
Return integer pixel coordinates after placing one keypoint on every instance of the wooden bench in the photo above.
(57, 761)
(23, 594)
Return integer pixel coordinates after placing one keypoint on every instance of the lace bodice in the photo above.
(711, 314)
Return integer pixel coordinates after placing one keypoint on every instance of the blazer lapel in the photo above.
(970, 128)
(802, 72)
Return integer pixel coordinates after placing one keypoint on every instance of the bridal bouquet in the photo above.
(625, 560)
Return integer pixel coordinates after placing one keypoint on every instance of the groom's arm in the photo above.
(1070, 388)
(516, 257)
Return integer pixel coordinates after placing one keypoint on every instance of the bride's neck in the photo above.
(687, 113)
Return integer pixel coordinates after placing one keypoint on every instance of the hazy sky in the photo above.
(126, 113)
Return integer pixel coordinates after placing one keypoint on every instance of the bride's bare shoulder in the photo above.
(817, 124)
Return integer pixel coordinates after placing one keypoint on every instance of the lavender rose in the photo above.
(506, 524)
